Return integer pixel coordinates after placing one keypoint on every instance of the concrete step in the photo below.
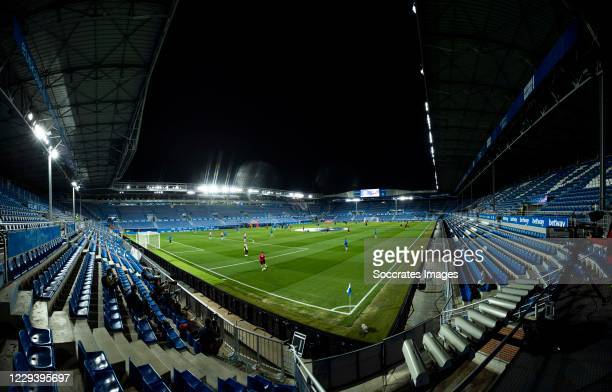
(83, 333)
(521, 286)
(107, 344)
(173, 360)
(22, 303)
(532, 282)
(516, 292)
(215, 367)
(39, 316)
(140, 354)
(63, 333)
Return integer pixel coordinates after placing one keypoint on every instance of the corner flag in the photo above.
(349, 291)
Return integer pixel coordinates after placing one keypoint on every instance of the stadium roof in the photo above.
(96, 59)
(477, 57)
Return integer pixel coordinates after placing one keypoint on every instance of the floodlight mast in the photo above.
(75, 187)
(52, 154)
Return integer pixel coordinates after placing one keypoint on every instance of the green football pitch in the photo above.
(308, 272)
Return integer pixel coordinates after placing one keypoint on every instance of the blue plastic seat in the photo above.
(38, 357)
(106, 381)
(145, 378)
(230, 385)
(38, 336)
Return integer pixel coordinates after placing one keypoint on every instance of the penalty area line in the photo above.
(255, 288)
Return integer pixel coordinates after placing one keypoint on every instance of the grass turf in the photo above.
(307, 275)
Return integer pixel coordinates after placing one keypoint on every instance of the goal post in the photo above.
(148, 238)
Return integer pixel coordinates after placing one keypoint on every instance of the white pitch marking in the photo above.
(251, 261)
(256, 288)
(258, 243)
(381, 279)
(191, 251)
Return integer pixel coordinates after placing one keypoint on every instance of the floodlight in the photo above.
(39, 132)
(353, 200)
(432, 151)
(30, 116)
(428, 122)
(414, 8)
(310, 196)
(127, 186)
(190, 192)
(430, 138)
(426, 104)
(422, 71)
(74, 184)
(53, 153)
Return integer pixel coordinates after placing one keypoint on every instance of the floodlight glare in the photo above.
(190, 192)
(53, 153)
(426, 104)
(30, 116)
(39, 132)
(74, 184)
(414, 8)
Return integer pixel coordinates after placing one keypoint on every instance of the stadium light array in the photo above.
(402, 198)
(215, 189)
(40, 133)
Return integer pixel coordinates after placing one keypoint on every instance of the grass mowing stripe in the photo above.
(255, 260)
(253, 287)
(381, 279)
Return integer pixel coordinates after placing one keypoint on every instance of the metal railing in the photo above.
(256, 351)
(344, 370)
(304, 379)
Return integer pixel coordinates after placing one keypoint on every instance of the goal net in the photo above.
(148, 238)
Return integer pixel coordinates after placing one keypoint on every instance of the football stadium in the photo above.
(320, 196)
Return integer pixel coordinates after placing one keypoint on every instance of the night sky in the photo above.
(311, 96)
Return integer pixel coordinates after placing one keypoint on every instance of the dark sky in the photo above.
(312, 96)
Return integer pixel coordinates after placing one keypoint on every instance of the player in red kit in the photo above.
(262, 261)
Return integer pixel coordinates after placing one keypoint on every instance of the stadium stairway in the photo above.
(471, 332)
